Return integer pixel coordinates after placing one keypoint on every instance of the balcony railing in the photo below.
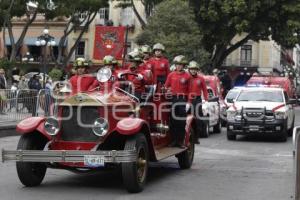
(240, 63)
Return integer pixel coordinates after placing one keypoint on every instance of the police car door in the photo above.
(213, 108)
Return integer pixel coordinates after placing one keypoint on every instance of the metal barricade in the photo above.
(47, 103)
(296, 141)
(16, 105)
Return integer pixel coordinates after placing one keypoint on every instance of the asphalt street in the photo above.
(251, 168)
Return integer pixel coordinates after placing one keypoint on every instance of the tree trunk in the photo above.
(142, 22)
(90, 18)
(16, 46)
(62, 42)
(222, 51)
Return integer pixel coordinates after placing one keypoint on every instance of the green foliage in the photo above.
(6, 64)
(220, 21)
(173, 24)
(56, 74)
(69, 7)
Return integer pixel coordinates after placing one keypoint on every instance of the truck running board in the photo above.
(167, 152)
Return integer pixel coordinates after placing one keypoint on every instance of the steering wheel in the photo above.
(127, 73)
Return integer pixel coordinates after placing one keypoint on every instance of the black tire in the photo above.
(133, 180)
(205, 130)
(186, 158)
(31, 173)
(230, 136)
(284, 133)
(217, 127)
(290, 131)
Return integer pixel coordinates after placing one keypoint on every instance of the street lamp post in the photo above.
(45, 40)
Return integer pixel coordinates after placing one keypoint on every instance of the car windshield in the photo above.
(260, 95)
(232, 94)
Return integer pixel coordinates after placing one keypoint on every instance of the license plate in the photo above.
(254, 128)
(94, 161)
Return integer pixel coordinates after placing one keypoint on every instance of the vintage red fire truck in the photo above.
(95, 130)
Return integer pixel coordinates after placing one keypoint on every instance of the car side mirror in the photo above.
(230, 101)
(213, 99)
(292, 101)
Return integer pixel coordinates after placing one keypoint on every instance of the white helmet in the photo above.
(158, 46)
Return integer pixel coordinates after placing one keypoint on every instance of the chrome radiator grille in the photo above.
(77, 126)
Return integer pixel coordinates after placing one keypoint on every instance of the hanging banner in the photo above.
(109, 40)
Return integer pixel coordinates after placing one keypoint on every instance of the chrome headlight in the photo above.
(52, 126)
(104, 74)
(100, 127)
(231, 115)
(280, 115)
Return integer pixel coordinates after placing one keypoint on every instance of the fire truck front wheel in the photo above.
(135, 173)
(31, 173)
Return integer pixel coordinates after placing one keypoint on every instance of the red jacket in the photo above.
(178, 82)
(139, 85)
(147, 65)
(197, 87)
(81, 83)
(160, 67)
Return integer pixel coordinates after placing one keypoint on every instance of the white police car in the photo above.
(261, 110)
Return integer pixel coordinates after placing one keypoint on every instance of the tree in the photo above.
(220, 21)
(173, 24)
(72, 10)
(16, 8)
(148, 8)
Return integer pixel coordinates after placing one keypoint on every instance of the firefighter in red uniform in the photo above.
(136, 74)
(82, 81)
(111, 63)
(178, 83)
(160, 65)
(146, 51)
(197, 89)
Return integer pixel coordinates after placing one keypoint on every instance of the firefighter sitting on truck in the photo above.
(137, 76)
(178, 84)
(82, 81)
(146, 51)
(197, 88)
(106, 87)
(160, 66)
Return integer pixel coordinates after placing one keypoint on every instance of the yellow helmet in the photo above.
(109, 60)
(158, 46)
(180, 60)
(146, 49)
(193, 65)
(135, 56)
(81, 62)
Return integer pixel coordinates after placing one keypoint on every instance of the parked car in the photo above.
(211, 113)
(96, 130)
(263, 110)
(215, 90)
(228, 101)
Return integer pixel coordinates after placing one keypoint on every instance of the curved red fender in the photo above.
(130, 126)
(31, 124)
